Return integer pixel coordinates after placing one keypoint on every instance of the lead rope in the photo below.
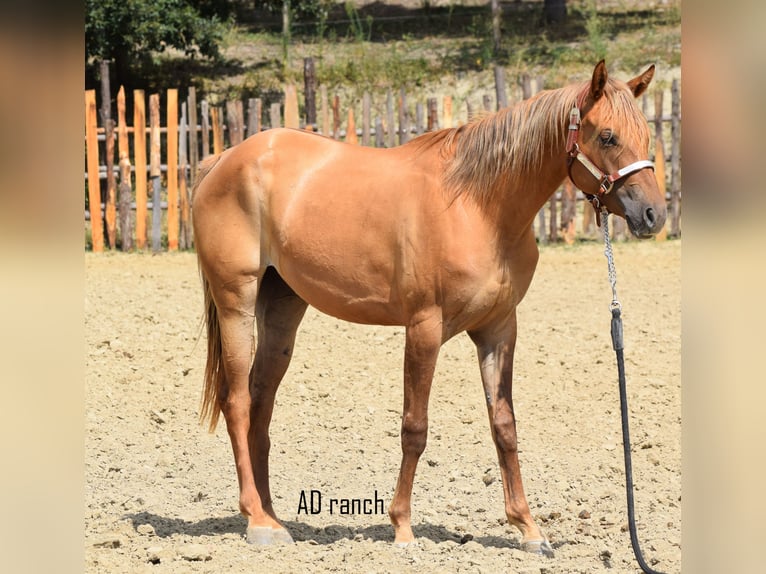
(617, 344)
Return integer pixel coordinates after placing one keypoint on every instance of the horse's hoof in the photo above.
(540, 547)
(267, 536)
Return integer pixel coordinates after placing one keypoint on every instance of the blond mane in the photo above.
(506, 147)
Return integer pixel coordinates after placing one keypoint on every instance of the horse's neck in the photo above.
(521, 193)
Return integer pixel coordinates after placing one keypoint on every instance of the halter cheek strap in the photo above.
(605, 181)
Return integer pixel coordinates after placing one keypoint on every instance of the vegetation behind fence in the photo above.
(144, 199)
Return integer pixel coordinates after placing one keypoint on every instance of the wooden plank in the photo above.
(486, 102)
(433, 115)
(139, 159)
(659, 153)
(292, 120)
(155, 171)
(191, 101)
(419, 118)
(125, 189)
(216, 121)
(447, 112)
(94, 183)
(390, 128)
(309, 90)
(675, 160)
(588, 220)
(500, 94)
(205, 113)
(379, 140)
(366, 119)
(184, 239)
(553, 232)
(236, 129)
(351, 128)
(526, 86)
(254, 110)
(569, 212)
(172, 174)
(275, 115)
(325, 110)
(125, 210)
(122, 127)
(404, 125)
(110, 209)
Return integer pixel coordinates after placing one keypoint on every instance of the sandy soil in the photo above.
(161, 493)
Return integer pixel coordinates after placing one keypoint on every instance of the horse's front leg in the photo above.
(423, 340)
(495, 348)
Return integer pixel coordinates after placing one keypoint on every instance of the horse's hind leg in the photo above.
(278, 313)
(235, 294)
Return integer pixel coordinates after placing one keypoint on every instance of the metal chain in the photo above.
(609, 258)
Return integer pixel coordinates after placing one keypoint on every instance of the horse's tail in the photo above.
(214, 375)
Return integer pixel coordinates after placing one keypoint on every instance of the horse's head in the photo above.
(609, 155)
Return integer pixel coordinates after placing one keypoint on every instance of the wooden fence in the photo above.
(150, 206)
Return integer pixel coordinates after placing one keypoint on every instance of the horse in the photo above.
(434, 235)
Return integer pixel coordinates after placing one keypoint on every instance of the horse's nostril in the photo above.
(649, 216)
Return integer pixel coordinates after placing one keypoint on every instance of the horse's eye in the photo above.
(608, 139)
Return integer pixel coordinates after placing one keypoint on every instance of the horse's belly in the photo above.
(358, 294)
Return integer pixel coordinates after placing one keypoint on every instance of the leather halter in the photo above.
(605, 181)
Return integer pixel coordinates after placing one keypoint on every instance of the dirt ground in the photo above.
(161, 492)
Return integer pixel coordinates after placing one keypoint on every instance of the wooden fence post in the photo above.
(155, 171)
(351, 128)
(185, 239)
(336, 117)
(205, 128)
(433, 115)
(552, 226)
(309, 89)
(275, 115)
(254, 110)
(675, 161)
(172, 174)
(193, 139)
(94, 182)
(110, 211)
(568, 212)
(502, 98)
(390, 129)
(217, 123)
(325, 111)
(447, 113)
(125, 189)
(419, 118)
(659, 155)
(235, 121)
(379, 132)
(486, 101)
(366, 119)
(404, 127)
(292, 119)
(139, 150)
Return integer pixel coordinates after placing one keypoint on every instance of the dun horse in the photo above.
(434, 235)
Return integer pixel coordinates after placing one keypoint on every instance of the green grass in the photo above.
(431, 44)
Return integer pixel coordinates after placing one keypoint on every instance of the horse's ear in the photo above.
(598, 82)
(639, 84)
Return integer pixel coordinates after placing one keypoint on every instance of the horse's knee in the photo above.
(414, 435)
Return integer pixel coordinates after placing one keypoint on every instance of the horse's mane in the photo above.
(495, 150)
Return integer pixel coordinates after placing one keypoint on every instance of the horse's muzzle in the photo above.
(644, 219)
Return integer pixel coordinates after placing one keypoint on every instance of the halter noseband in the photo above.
(605, 181)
